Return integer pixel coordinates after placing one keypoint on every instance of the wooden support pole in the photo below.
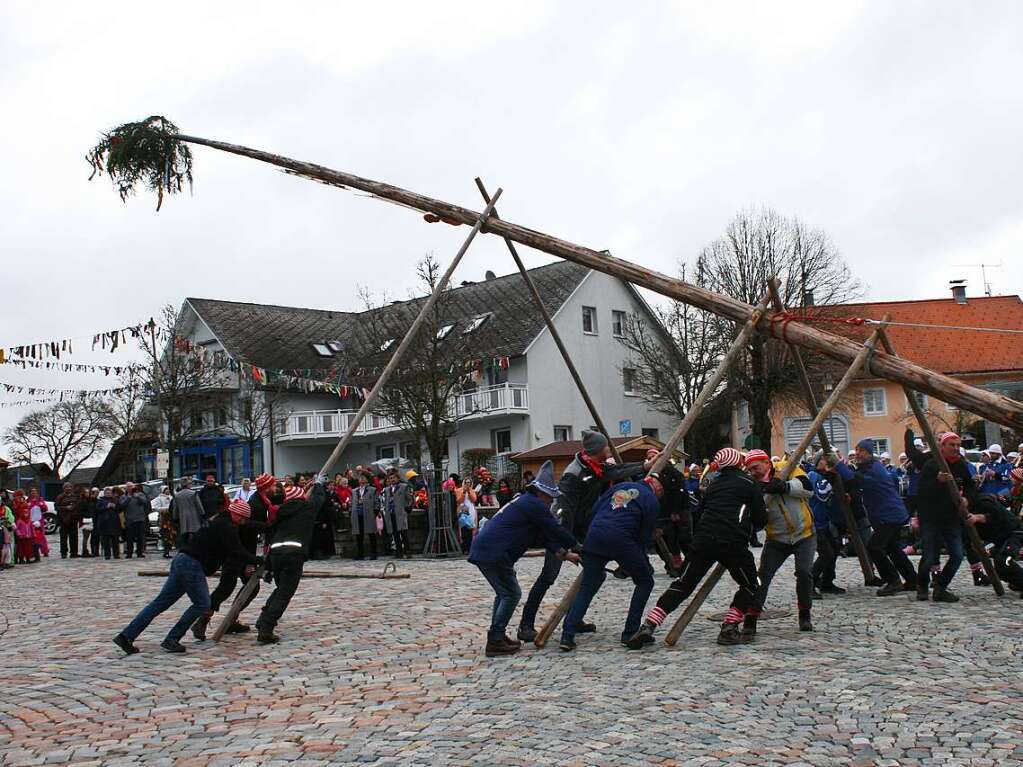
(696, 602)
(836, 394)
(866, 566)
(247, 590)
(709, 389)
(957, 499)
(555, 335)
(662, 547)
(992, 406)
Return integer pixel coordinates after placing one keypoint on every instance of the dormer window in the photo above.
(476, 323)
(322, 349)
(334, 346)
(444, 332)
(387, 344)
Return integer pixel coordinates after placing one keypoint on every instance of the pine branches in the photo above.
(146, 153)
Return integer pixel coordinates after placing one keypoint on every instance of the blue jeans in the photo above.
(186, 577)
(932, 534)
(501, 577)
(636, 564)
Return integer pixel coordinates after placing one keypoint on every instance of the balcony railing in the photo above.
(481, 403)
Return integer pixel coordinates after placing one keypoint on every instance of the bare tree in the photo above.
(253, 412)
(756, 246)
(420, 397)
(132, 418)
(182, 382)
(66, 434)
(674, 355)
(671, 366)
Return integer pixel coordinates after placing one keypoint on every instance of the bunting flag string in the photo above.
(65, 367)
(42, 390)
(109, 339)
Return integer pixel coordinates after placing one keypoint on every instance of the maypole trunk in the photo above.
(994, 407)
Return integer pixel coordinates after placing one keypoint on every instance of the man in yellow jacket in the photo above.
(790, 532)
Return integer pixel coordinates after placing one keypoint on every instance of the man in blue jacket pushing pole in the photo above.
(624, 519)
(503, 541)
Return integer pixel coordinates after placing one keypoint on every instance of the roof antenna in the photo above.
(983, 273)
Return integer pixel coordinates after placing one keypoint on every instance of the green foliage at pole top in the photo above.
(147, 153)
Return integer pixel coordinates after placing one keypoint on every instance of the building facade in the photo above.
(936, 335)
(526, 401)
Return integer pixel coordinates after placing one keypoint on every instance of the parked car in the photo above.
(50, 518)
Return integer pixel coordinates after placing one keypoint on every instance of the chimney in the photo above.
(958, 290)
(490, 276)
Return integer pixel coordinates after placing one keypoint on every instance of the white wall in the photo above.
(553, 397)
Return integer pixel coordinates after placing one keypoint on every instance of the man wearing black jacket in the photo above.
(234, 569)
(939, 517)
(291, 538)
(198, 557)
(998, 526)
(582, 483)
(675, 522)
(212, 497)
(733, 506)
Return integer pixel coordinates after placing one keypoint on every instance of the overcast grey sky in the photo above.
(895, 127)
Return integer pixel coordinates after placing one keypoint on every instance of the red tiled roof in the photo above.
(946, 350)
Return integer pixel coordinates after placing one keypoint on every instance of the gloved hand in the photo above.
(775, 486)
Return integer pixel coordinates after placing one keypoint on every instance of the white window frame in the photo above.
(477, 323)
(393, 447)
(321, 349)
(877, 448)
(884, 402)
(568, 433)
(387, 344)
(445, 331)
(494, 442)
(627, 387)
(619, 318)
(335, 346)
(591, 312)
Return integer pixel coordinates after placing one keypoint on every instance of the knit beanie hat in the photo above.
(293, 492)
(946, 436)
(240, 508)
(264, 481)
(593, 442)
(728, 456)
(757, 455)
(866, 444)
(1017, 474)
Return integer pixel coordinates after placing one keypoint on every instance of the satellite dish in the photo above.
(490, 275)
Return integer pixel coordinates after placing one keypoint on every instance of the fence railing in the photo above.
(490, 400)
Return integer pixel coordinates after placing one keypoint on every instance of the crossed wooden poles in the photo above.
(912, 377)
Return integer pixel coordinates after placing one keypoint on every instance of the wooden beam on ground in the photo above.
(866, 566)
(250, 586)
(708, 390)
(992, 406)
(305, 574)
(696, 602)
(957, 499)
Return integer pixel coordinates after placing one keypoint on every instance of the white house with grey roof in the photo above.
(528, 403)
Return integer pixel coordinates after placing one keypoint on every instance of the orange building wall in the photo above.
(892, 424)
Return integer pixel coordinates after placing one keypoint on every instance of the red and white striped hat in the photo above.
(293, 492)
(945, 437)
(757, 455)
(1017, 474)
(264, 481)
(728, 456)
(240, 508)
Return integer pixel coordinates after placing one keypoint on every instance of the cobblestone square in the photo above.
(374, 672)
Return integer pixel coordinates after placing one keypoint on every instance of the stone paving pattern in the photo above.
(374, 672)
